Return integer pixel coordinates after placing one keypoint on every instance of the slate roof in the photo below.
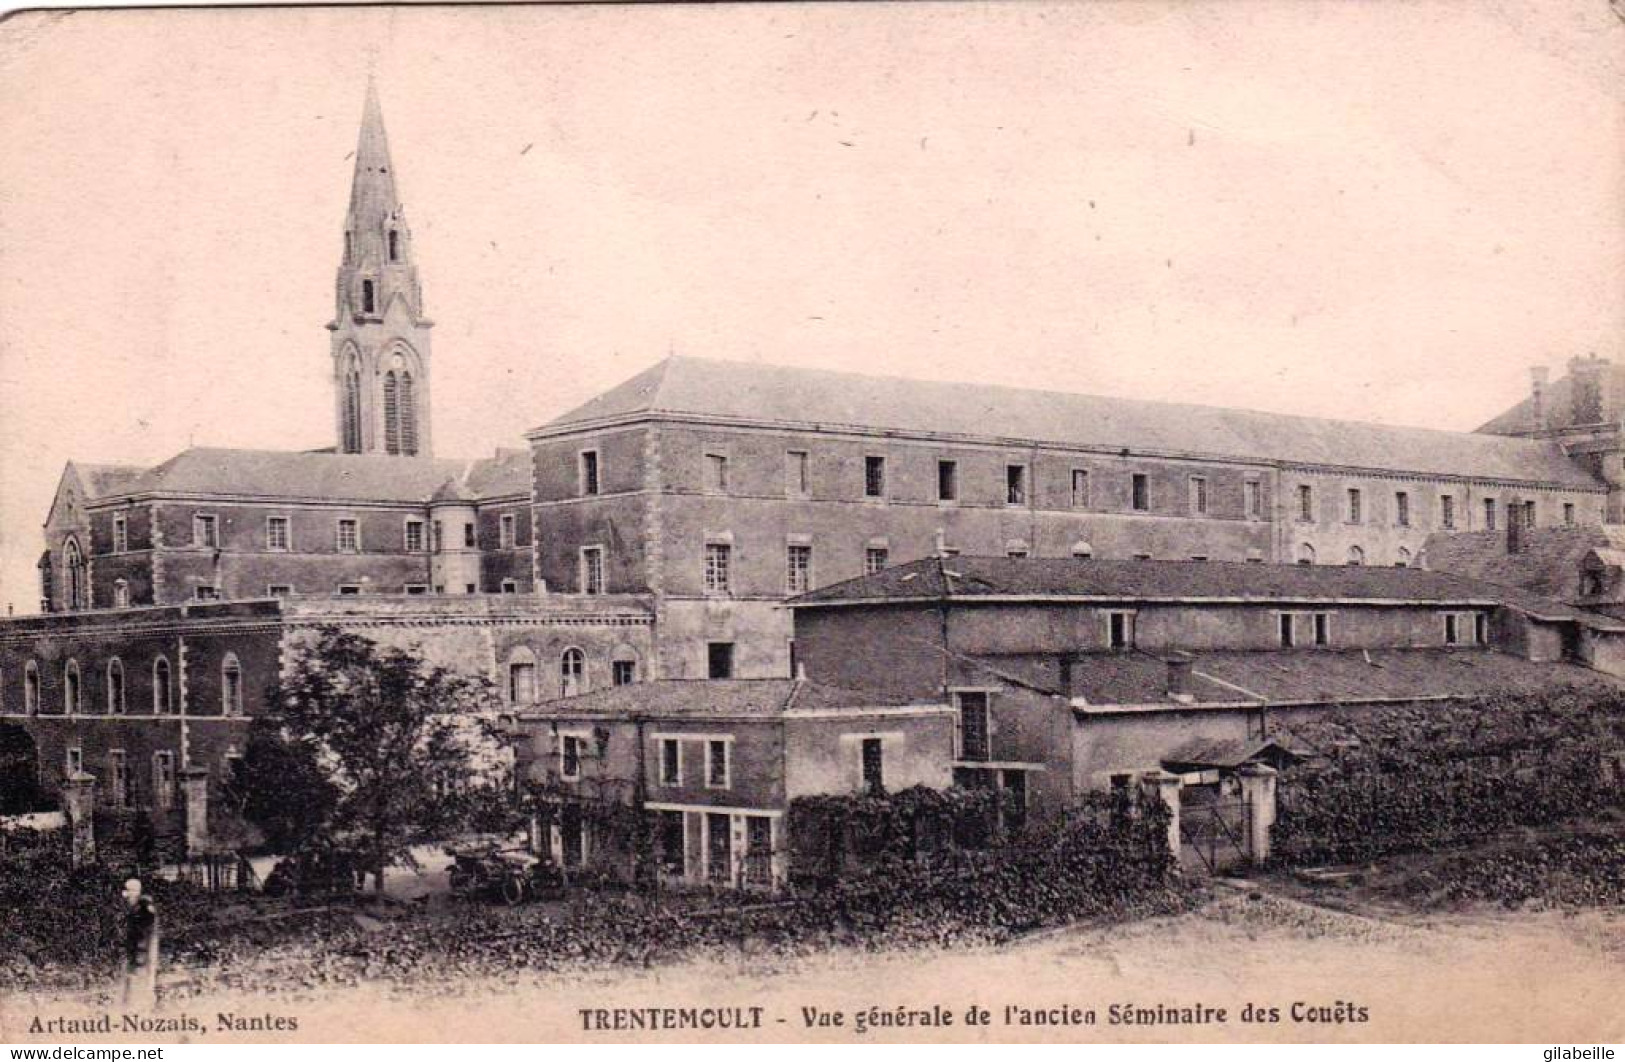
(1557, 403)
(102, 481)
(321, 475)
(767, 394)
(678, 698)
(1549, 565)
(1321, 676)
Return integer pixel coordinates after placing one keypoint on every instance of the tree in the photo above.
(364, 747)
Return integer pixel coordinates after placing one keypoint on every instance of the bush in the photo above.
(1431, 776)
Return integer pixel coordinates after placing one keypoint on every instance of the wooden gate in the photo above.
(1212, 828)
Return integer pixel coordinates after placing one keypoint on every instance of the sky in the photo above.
(1381, 211)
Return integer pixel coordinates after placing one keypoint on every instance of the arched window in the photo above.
(31, 688)
(367, 300)
(572, 673)
(352, 405)
(1306, 554)
(74, 561)
(162, 694)
(1402, 559)
(115, 687)
(409, 416)
(1356, 556)
(71, 690)
(394, 246)
(231, 686)
(121, 594)
(392, 413)
(521, 676)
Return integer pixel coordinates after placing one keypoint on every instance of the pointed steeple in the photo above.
(380, 336)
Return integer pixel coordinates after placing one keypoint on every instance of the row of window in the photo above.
(347, 534)
(1312, 628)
(718, 753)
(523, 687)
(1354, 557)
(1354, 509)
(797, 485)
(119, 791)
(163, 687)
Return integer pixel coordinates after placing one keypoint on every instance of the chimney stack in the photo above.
(1586, 386)
(1538, 375)
(1180, 666)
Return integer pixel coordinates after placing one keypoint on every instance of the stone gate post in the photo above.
(1258, 789)
(79, 805)
(195, 788)
(1165, 787)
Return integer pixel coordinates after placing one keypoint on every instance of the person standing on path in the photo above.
(140, 985)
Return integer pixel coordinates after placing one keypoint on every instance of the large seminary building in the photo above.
(656, 532)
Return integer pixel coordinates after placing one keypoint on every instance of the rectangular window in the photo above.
(414, 536)
(1530, 515)
(1140, 492)
(1287, 637)
(119, 770)
(1080, 488)
(592, 569)
(1447, 512)
(349, 589)
(1120, 630)
(758, 850)
(416, 589)
(1481, 628)
(623, 672)
(671, 761)
(522, 682)
(589, 472)
(1306, 503)
(798, 569)
(875, 559)
(121, 534)
(1252, 498)
(874, 766)
(1355, 500)
(1323, 628)
(874, 477)
(719, 859)
(716, 764)
(947, 481)
(973, 726)
(1568, 514)
(719, 660)
(718, 557)
(570, 757)
(506, 531)
(468, 536)
(1015, 484)
(74, 760)
(206, 593)
(1489, 514)
(796, 482)
(1198, 499)
(1402, 508)
(349, 539)
(205, 531)
(1452, 629)
(438, 532)
(279, 590)
(716, 473)
(276, 533)
(510, 586)
(163, 780)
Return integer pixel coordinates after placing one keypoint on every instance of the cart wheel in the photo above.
(513, 890)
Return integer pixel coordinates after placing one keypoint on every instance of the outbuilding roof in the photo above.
(679, 698)
(754, 393)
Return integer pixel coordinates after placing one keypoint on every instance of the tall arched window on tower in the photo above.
(409, 415)
(392, 413)
(367, 299)
(231, 686)
(75, 563)
(352, 405)
(394, 246)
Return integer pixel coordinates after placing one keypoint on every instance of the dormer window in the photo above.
(367, 299)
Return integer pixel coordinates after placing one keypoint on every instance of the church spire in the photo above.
(380, 336)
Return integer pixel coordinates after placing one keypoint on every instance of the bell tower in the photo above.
(380, 335)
